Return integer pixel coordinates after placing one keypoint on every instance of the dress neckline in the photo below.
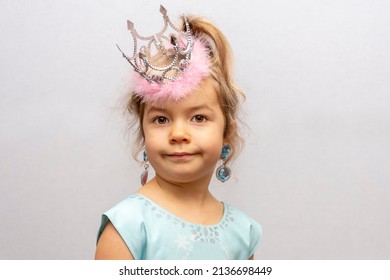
(219, 223)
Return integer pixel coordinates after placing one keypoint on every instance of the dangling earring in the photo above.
(223, 172)
(144, 175)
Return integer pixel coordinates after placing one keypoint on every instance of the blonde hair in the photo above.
(222, 75)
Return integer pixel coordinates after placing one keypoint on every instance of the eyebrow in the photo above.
(190, 109)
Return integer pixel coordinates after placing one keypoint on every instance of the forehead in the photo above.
(205, 94)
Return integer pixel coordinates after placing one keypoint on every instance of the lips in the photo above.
(179, 156)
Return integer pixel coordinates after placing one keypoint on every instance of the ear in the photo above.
(230, 128)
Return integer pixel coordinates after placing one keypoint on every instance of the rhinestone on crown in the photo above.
(179, 45)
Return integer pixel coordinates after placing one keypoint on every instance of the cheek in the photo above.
(151, 139)
(155, 139)
(148, 132)
(148, 137)
(212, 142)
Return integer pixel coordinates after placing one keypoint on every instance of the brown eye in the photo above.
(161, 120)
(199, 119)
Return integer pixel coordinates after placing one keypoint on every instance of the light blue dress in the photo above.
(152, 233)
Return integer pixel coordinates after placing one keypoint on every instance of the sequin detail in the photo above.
(201, 233)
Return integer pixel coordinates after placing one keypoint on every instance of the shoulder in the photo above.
(249, 227)
(128, 212)
(124, 223)
(239, 215)
(131, 203)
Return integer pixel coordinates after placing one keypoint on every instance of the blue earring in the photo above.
(144, 175)
(223, 172)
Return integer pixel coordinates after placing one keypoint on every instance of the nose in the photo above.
(179, 133)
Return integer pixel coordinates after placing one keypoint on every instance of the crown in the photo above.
(178, 46)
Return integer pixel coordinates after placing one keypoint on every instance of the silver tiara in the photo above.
(180, 43)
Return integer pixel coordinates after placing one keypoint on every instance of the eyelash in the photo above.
(157, 120)
(163, 120)
(202, 121)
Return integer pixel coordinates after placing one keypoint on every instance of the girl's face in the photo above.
(183, 140)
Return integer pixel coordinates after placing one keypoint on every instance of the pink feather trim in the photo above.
(198, 69)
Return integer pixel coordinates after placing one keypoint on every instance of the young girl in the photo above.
(186, 102)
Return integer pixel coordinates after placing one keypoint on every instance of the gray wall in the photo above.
(315, 171)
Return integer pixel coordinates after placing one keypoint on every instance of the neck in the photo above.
(193, 193)
(190, 202)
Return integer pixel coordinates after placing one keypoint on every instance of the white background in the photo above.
(315, 170)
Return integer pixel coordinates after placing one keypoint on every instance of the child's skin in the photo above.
(183, 142)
